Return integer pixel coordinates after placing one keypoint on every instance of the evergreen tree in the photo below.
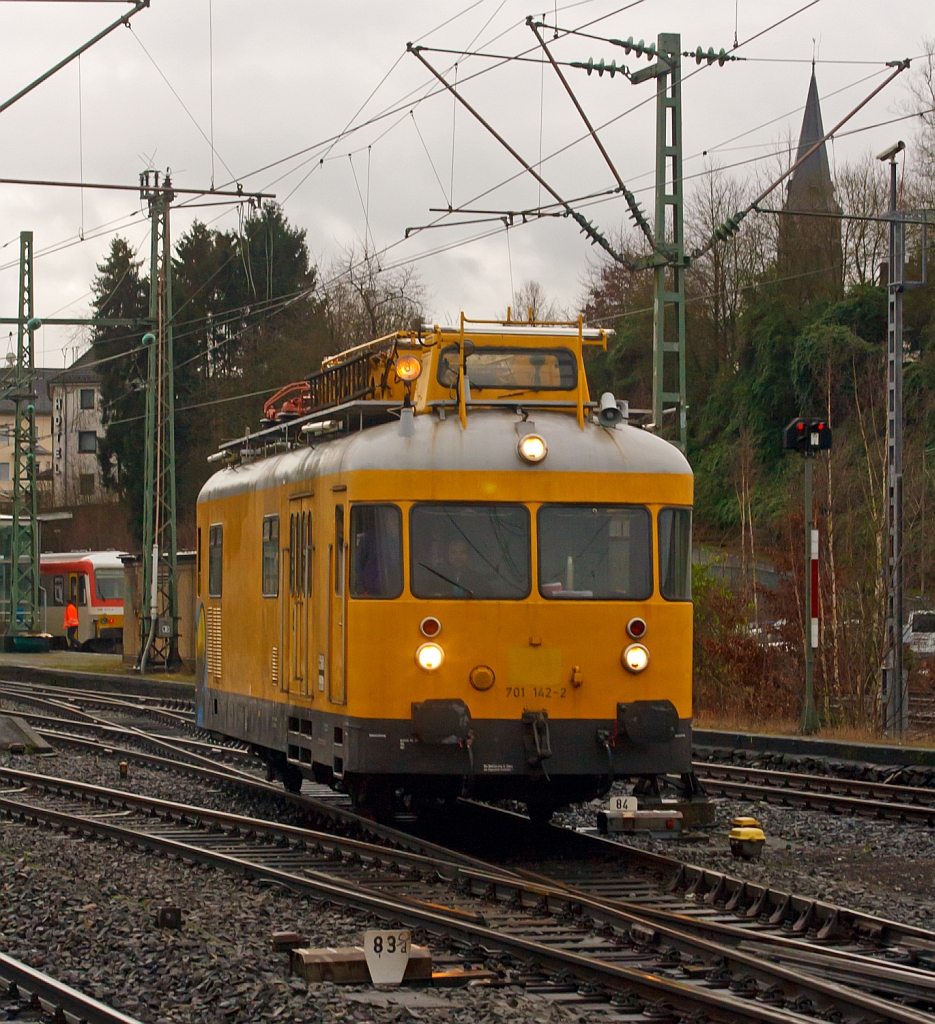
(246, 322)
(121, 293)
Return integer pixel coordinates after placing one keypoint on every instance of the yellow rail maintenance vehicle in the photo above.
(440, 568)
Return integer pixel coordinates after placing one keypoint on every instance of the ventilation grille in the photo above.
(214, 643)
(274, 666)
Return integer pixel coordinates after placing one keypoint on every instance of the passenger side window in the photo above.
(271, 556)
(376, 551)
(215, 559)
(675, 554)
(300, 554)
(339, 550)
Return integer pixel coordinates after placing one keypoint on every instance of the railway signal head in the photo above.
(807, 435)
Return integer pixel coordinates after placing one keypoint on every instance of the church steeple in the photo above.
(811, 187)
(810, 252)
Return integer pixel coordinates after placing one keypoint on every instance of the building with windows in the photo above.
(74, 396)
(43, 404)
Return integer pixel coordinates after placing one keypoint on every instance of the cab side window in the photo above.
(271, 556)
(675, 554)
(376, 544)
(215, 559)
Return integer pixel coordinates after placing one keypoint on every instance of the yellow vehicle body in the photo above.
(532, 698)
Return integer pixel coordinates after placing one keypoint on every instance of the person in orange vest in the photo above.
(71, 626)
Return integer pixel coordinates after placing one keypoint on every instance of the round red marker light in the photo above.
(430, 626)
(636, 628)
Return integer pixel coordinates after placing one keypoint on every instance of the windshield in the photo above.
(470, 551)
(923, 622)
(108, 583)
(595, 552)
(529, 369)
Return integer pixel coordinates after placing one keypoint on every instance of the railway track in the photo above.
(706, 896)
(179, 714)
(26, 993)
(650, 913)
(819, 792)
(634, 962)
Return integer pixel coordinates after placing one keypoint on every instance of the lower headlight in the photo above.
(429, 656)
(635, 658)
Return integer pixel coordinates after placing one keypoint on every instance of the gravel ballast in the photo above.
(878, 866)
(83, 911)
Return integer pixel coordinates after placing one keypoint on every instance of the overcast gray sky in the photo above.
(290, 75)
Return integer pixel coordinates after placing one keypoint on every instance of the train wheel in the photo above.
(292, 778)
(373, 797)
(539, 814)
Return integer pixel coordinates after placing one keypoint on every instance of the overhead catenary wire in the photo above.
(580, 220)
(191, 116)
(80, 147)
(635, 212)
(210, 140)
(453, 245)
(399, 105)
(472, 5)
(124, 19)
(586, 226)
(127, 219)
(211, 82)
(415, 124)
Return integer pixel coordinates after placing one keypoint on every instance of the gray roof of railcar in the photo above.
(488, 444)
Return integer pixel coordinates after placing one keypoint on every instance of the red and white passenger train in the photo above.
(93, 580)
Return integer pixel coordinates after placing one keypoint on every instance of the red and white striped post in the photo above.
(809, 715)
(813, 583)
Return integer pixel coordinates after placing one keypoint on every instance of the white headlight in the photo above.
(635, 658)
(429, 656)
(532, 448)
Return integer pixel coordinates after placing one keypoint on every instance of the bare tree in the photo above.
(531, 302)
(364, 301)
(922, 103)
(718, 279)
(862, 190)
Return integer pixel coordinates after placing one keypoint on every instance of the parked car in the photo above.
(919, 633)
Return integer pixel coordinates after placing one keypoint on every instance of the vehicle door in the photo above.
(337, 606)
(78, 594)
(296, 676)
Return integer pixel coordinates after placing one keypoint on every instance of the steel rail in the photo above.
(678, 930)
(396, 838)
(46, 724)
(94, 693)
(687, 994)
(130, 730)
(15, 691)
(821, 784)
(706, 897)
(711, 891)
(809, 799)
(295, 833)
(58, 997)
